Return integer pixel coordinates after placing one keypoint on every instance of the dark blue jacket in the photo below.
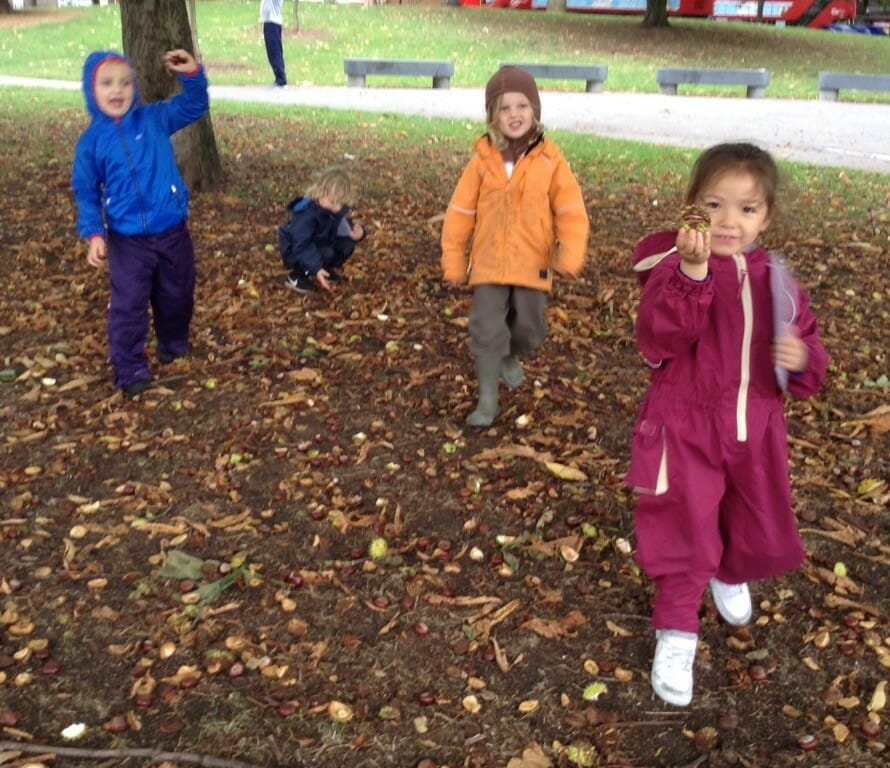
(124, 174)
(310, 231)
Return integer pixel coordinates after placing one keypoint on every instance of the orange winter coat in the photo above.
(521, 228)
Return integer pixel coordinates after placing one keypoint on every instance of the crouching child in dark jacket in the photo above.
(320, 236)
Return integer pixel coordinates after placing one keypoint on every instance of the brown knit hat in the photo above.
(513, 80)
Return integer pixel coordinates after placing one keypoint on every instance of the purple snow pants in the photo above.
(727, 511)
(156, 270)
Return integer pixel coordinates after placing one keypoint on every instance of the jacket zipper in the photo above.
(741, 411)
(135, 178)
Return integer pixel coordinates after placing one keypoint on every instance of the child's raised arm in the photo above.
(180, 60)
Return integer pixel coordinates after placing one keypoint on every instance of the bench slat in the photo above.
(594, 75)
(756, 80)
(358, 69)
(830, 83)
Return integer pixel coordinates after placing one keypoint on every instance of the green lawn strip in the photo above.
(475, 39)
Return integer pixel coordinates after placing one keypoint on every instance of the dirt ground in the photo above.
(192, 574)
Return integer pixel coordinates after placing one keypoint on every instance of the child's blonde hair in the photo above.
(333, 183)
(494, 133)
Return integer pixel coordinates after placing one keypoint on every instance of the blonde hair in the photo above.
(494, 133)
(333, 183)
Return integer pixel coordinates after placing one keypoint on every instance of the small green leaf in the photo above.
(180, 565)
(593, 691)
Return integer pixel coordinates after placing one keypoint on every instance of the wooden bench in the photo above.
(756, 80)
(830, 83)
(594, 75)
(358, 69)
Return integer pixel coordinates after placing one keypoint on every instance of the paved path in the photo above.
(842, 134)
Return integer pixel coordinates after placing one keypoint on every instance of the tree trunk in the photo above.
(193, 25)
(150, 28)
(295, 25)
(556, 5)
(760, 4)
(656, 14)
(5, 6)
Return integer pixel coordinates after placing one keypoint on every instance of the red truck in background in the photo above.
(815, 14)
(810, 13)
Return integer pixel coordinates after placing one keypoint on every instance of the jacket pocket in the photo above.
(648, 471)
(181, 200)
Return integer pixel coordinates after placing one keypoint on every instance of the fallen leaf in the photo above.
(553, 628)
(564, 472)
(532, 757)
(616, 630)
(878, 697)
(340, 712)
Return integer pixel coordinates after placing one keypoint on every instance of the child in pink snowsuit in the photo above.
(724, 329)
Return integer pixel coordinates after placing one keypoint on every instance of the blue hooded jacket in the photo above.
(124, 174)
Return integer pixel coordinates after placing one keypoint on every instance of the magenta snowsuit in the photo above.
(709, 454)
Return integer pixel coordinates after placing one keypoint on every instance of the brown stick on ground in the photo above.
(152, 754)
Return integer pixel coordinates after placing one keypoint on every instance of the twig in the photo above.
(633, 724)
(153, 755)
(625, 616)
(840, 536)
(694, 764)
(837, 601)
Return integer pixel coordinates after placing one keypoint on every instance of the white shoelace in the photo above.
(680, 659)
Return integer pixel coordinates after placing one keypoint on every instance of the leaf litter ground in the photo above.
(190, 573)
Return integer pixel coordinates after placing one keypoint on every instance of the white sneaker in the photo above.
(672, 666)
(733, 602)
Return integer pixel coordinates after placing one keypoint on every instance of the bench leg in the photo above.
(441, 82)
(668, 90)
(828, 94)
(756, 91)
(356, 81)
(594, 86)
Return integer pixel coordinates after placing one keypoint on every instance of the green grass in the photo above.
(476, 39)
(608, 166)
(612, 170)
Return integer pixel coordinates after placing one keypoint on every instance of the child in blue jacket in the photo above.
(133, 208)
(320, 236)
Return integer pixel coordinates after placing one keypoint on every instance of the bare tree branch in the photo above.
(150, 754)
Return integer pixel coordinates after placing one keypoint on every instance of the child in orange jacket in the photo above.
(516, 216)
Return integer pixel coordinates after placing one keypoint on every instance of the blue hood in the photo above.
(92, 63)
